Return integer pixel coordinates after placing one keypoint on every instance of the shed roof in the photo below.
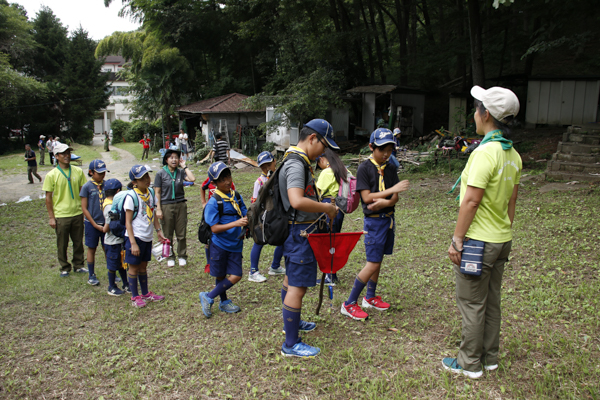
(227, 103)
(383, 89)
(114, 60)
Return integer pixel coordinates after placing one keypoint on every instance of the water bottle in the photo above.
(166, 251)
(330, 298)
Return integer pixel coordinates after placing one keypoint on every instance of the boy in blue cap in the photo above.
(92, 205)
(379, 187)
(112, 243)
(303, 204)
(267, 164)
(227, 241)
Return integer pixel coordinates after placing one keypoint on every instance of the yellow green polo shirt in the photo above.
(64, 205)
(327, 184)
(497, 171)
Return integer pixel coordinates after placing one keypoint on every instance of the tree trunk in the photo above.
(377, 43)
(476, 45)
(402, 27)
(369, 48)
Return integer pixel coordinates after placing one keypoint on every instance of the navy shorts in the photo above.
(338, 221)
(379, 239)
(113, 256)
(92, 235)
(145, 252)
(300, 263)
(223, 262)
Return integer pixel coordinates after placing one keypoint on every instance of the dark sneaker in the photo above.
(64, 274)
(117, 279)
(451, 364)
(206, 303)
(300, 350)
(93, 281)
(228, 307)
(304, 326)
(126, 288)
(115, 291)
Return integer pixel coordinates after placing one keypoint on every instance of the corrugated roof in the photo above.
(114, 60)
(228, 103)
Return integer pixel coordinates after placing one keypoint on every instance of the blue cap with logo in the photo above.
(137, 171)
(324, 129)
(381, 137)
(98, 166)
(215, 170)
(264, 157)
(112, 184)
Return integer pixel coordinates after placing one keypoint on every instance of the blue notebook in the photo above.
(472, 257)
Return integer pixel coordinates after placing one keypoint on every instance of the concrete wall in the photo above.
(458, 107)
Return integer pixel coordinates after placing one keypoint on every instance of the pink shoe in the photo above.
(152, 297)
(138, 302)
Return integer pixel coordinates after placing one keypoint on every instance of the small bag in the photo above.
(472, 257)
(348, 198)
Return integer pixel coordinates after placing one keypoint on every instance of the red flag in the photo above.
(337, 246)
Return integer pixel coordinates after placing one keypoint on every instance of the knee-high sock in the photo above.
(111, 278)
(283, 293)
(133, 286)
(255, 257)
(356, 289)
(91, 271)
(224, 294)
(123, 275)
(291, 324)
(220, 288)
(143, 278)
(277, 256)
(371, 287)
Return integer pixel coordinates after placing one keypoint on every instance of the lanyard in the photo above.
(68, 178)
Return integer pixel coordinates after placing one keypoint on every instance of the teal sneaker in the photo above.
(451, 364)
(228, 307)
(304, 326)
(206, 303)
(300, 350)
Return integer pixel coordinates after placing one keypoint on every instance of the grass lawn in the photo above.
(62, 338)
(136, 149)
(14, 164)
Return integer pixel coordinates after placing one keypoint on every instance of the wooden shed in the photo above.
(562, 101)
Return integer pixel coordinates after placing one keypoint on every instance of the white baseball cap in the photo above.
(500, 102)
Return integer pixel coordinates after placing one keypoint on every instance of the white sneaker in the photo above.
(278, 271)
(182, 262)
(170, 263)
(256, 277)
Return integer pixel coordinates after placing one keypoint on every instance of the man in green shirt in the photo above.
(62, 186)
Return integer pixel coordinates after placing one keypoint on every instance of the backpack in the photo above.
(117, 213)
(204, 229)
(348, 198)
(268, 220)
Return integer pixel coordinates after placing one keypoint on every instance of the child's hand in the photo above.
(401, 186)
(378, 204)
(242, 221)
(332, 211)
(161, 237)
(135, 250)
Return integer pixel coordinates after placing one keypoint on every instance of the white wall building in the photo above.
(117, 109)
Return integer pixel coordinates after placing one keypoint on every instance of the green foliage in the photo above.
(268, 146)
(138, 128)
(119, 127)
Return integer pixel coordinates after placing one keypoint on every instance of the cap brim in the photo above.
(478, 92)
(383, 142)
(331, 143)
(101, 170)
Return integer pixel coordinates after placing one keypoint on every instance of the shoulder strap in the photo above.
(134, 197)
(219, 203)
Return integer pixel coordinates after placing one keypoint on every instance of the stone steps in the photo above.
(579, 167)
(578, 148)
(571, 176)
(581, 138)
(577, 157)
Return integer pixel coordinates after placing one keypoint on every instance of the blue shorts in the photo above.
(92, 235)
(113, 256)
(224, 263)
(145, 252)
(338, 221)
(300, 263)
(379, 239)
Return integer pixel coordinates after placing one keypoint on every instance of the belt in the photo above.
(390, 214)
(303, 222)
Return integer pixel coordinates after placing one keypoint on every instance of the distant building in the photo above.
(116, 109)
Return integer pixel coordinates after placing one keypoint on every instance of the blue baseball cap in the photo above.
(112, 184)
(215, 170)
(381, 137)
(98, 166)
(137, 171)
(264, 157)
(324, 129)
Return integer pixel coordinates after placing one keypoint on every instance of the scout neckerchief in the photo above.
(100, 193)
(146, 198)
(493, 136)
(380, 169)
(68, 178)
(231, 200)
(173, 176)
(297, 150)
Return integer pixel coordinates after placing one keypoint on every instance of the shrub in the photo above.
(268, 146)
(86, 136)
(119, 127)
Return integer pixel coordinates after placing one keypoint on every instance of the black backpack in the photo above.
(267, 218)
(204, 231)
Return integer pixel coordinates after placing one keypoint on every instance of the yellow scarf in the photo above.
(100, 193)
(297, 150)
(146, 198)
(380, 169)
(230, 200)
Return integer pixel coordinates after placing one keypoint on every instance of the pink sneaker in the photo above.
(152, 297)
(138, 302)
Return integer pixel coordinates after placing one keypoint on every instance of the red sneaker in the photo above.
(152, 297)
(376, 303)
(354, 311)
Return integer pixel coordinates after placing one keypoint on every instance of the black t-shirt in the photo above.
(31, 163)
(367, 178)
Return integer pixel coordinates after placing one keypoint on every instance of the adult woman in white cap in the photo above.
(482, 238)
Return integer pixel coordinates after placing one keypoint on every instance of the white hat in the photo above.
(500, 102)
(61, 148)
(42, 137)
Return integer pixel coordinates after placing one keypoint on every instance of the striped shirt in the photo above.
(220, 148)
